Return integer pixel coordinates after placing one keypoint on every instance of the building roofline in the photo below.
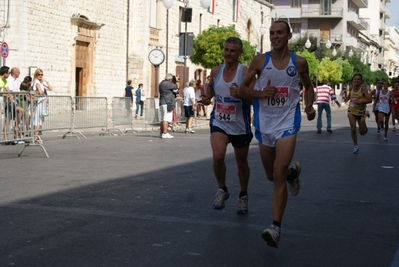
(263, 2)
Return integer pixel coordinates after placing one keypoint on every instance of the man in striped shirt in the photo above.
(323, 94)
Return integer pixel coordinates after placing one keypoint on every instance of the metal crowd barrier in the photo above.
(19, 116)
(59, 114)
(21, 111)
(122, 112)
(90, 112)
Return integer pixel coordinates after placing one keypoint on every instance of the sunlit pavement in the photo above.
(139, 200)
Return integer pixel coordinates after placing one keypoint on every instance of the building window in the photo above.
(296, 3)
(325, 7)
(296, 27)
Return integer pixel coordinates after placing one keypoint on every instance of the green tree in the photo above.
(208, 47)
(380, 75)
(330, 71)
(347, 70)
(363, 69)
(313, 63)
(298, 44)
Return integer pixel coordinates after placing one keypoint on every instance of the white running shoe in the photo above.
(166, 136)
(220, 197)
(190, 130)
(295, 185)
(243, 205)
(272, 236)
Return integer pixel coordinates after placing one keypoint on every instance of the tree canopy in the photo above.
(208, 47)
(329, 67)
(330, 71)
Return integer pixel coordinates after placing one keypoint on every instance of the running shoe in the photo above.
(189, 130)
(221, 197)
(166, 136)
(355, 150)
(385, 139)
(271, 236)
(295, 185)
(243, 205)
(394, 129)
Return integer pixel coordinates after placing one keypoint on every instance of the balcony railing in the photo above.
(363, 22)
(318, 12)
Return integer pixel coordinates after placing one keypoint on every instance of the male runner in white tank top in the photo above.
(277, 116)
(229, 122)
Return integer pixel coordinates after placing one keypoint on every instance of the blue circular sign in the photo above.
(4, 49)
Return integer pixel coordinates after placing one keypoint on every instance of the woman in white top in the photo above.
(40, 104)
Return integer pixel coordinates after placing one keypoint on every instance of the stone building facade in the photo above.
(90, 48)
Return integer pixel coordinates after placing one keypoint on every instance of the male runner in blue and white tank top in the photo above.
(277, 116)
(229, 122)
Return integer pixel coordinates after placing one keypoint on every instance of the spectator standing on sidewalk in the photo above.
(140, 99)
(277, 117)
(12, 80)
(166, 104)
(128, 94)
(198, 93)
(358, 98)
(189, 105)
(323, 94)
(229, 123)
(40, 103)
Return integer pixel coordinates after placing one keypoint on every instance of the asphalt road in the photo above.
(138, 200)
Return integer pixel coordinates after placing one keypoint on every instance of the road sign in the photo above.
(4, 49)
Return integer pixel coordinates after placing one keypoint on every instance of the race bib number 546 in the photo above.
(225, 112)
(279, 100)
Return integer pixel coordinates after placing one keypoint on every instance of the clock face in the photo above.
(156, 57)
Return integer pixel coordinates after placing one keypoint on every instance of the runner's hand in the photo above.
(310, 112)
(269, 90)
(206, 100)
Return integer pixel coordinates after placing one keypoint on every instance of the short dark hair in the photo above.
(27, 79)
(286, 24)
(129, 82)
(358, 74)
(4, 70)
(234, 40)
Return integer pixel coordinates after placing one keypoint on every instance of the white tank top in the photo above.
(229, 113)
(282, 112)
(383, 103)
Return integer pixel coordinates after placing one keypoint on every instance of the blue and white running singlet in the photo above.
(229, 113)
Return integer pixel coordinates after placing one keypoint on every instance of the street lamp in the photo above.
(334, 52)
(263, 30)
(308, 44)
(168, 4)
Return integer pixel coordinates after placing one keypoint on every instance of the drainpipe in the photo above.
(127, 39)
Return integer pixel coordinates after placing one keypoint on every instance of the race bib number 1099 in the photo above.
(279, 100)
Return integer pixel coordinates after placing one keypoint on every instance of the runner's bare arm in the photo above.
(303, 70)
(246, 89)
